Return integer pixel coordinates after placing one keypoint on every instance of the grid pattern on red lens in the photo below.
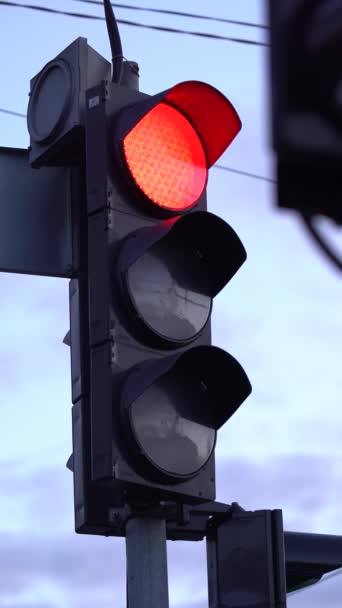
(166, 158)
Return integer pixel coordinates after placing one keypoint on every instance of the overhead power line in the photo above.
(47, 9)
(12, 113)
(164, 11)
(134, 23)
(246, 173)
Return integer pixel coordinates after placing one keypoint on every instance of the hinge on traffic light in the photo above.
(183, 521)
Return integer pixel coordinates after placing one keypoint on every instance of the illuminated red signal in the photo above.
(170, 140)
(216, 120)
(166, 158)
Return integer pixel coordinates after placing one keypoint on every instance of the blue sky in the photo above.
(280, 317)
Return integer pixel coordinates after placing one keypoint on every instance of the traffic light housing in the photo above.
(55, 115)
(149, 390)
(306, 104)
(156, 390)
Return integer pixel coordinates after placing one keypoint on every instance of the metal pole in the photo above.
(147, 584)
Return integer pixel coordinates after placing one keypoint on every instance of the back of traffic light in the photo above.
(55, 114)
(252, 561)
(246, 559)
(156, 259)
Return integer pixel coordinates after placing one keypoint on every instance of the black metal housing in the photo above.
(55, 115)
(306, 104)
(109, 473)
(246, 560)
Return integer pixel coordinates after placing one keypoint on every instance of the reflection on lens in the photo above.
(169, 288)
(165, 429)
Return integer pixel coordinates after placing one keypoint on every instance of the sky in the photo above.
(279, 316)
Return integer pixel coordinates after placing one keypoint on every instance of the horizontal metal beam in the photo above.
(303, 547)
(310, 556)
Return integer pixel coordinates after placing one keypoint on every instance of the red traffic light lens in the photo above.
(166, 158)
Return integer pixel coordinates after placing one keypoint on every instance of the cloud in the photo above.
(76, 567)
(19, 604)
(187, 570)
(88, 570)
(307, 487)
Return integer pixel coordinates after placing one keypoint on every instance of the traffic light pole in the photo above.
(147, 583)
(146, 556)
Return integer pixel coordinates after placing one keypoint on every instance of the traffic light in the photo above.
(149, 390)
(306, 104)
(154, 261)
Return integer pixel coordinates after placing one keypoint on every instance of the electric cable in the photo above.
(12, 113)
(164, 11)
(246, 173)
(135, 24)
(115, 41)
